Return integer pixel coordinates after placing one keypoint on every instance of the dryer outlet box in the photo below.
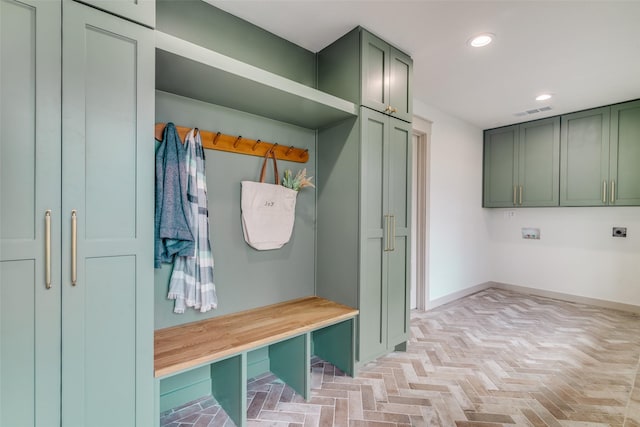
(619, 232)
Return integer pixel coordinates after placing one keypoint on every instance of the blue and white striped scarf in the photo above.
(191, 282)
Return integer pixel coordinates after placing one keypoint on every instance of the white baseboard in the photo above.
(457, 295)
(532, 291)
(567, 297)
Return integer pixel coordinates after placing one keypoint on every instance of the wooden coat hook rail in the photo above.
(238, 144)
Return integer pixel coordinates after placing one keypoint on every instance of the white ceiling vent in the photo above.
(532, 111)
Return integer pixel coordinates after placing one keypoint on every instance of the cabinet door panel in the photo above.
(399, 207)
(397, 292)
(400, 83)
(625, 153)
(399, 174)
(108, 83)
(584, 150)
(375, 72)
(29, 185)
(109, 300)
(372, 303)
(500, 161)
(17, 343)
(398, 266)
(539, 163)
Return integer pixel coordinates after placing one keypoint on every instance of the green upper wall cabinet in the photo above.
(600, 154)
(585, 158)
(386, 78)
(521, 164)
(624, 154)
(76, 236)
(367, 70)
(363, 240)
(140, 11)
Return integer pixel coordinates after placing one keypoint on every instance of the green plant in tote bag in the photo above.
(297, 182)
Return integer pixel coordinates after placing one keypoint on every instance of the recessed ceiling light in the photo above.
(481, 39)
(543, 97)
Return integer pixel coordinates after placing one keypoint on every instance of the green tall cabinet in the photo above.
(76, 232)
(521, 164)
(600, 156)
(385, 227)
(363, 226)
(364, 190)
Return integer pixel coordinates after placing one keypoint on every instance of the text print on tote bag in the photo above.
(268, 210)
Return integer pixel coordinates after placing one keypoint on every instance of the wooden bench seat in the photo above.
(193, 344)
(289, 329)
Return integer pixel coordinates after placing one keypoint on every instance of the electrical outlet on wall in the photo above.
(531, 233)
(619, 232)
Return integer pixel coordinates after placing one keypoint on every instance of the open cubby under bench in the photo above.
(292, 331)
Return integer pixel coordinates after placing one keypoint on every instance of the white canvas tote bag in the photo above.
(268, 210)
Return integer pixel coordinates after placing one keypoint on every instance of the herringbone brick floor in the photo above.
(495, 358)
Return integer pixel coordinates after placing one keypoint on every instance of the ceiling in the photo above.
(587, 53)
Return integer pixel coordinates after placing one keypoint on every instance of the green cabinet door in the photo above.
(400, 84)
(624, 155)
(385, 230)
(107, 181)
(386, 78)
(375, 72)
(539, 163)
(29, 187)
(142, 11)
(373, 242)
(584, 154)
(500, 167)
(399, 175)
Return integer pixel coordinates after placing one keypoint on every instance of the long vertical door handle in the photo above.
(386, 233)
(393, 233)
(514, 196)
(74, 247)
(604, 191)
(613, 191)
(47, 248)
(520, 195)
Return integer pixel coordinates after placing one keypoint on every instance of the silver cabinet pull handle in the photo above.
(47, 248)
(613, 191)
(393, 233)
(520, 198)
(604, 191)
(74, 247)
(386, 233)
(514, 196)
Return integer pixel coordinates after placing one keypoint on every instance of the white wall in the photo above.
(469, 245)
(458, 231)
(576, 253)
